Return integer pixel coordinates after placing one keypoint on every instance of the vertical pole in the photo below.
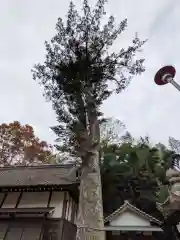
(168, 78)
(175, 84)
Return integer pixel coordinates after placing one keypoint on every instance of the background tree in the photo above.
(111, 131)
(136, 172)
(19, 145)
(76, 74)
(174, 144)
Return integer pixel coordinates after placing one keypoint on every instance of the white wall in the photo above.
(57, 199)
(40, 200)
(69, 210)
(129, 219)
(69, 207)
(178, 227)
(34, 199)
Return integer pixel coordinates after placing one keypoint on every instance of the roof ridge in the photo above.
(144, 213)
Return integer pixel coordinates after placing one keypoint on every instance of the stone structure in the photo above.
(174, 188)
(171, 207)
(173, 201)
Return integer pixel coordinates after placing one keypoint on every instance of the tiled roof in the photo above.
(37, 175)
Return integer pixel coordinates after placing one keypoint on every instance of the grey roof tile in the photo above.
(37, 175)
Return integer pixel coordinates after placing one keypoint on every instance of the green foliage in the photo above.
(78, 69)
(136, 172)
(162, 194)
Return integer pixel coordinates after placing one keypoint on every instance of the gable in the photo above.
(128, 213)
(129, 218)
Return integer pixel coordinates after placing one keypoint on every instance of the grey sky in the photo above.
(144, 107)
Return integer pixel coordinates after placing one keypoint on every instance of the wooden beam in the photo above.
(4, 198)
(19, 199)
(49, 199)
(64, 205)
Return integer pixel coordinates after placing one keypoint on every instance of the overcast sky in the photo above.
(144, 107)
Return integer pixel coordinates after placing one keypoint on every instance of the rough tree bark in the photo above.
(90, 198)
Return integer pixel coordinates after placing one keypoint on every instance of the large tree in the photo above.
(76, 75)
(20, 146)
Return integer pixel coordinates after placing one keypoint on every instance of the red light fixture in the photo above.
(166, 75)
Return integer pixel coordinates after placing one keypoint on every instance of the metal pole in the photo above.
(168, 78)
(175, 84)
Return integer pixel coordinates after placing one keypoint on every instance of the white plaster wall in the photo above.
(69, 208)
(129, 219)
(40, 200)
(34, 200)
(178, 227)
(11, 200)
(57, 202)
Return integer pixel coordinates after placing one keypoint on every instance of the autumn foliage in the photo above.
(20, 146)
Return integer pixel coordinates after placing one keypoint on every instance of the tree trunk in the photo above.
(90, 217)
